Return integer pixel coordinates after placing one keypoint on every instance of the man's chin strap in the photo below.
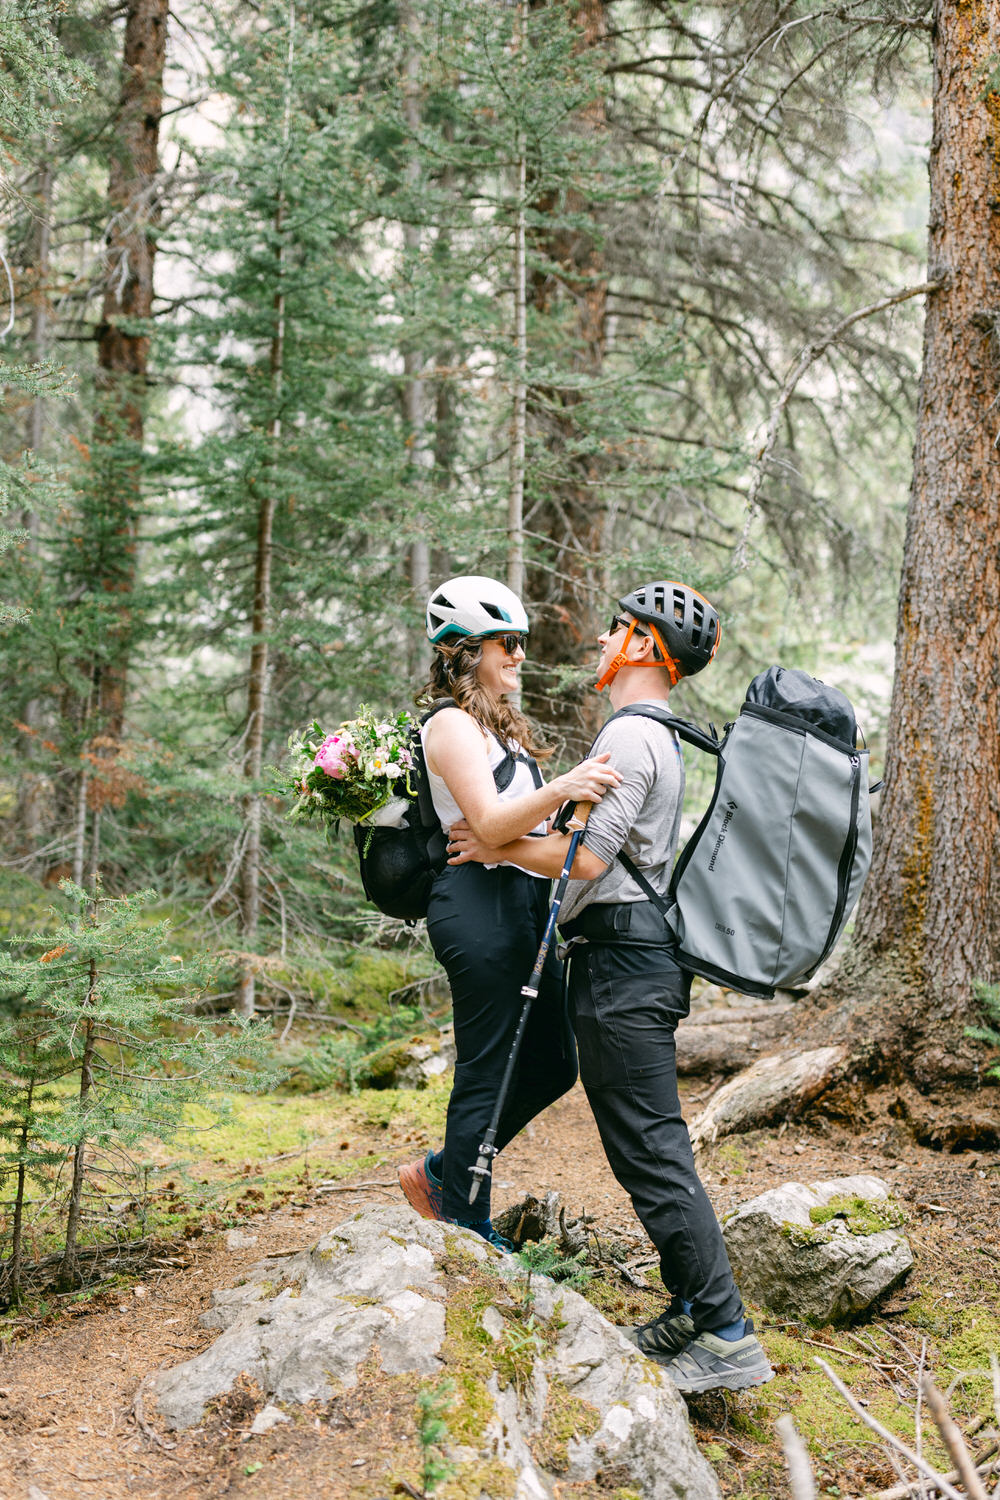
(622, 658)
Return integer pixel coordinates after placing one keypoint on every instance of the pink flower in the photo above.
(330, 757)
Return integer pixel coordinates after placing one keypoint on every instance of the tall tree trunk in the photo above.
(515, 500)
(414, 403)
(565, 593)
(31, 792)
(257, 690)
(123, 349)
(929, 922)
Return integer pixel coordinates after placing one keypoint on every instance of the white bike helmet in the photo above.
(474, 606)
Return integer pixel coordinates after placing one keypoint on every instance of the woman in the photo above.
(486, 921)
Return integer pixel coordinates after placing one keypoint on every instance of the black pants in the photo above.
(626, 1000)
(485, 927)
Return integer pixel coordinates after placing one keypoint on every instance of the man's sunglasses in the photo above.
(511, 642)
(618, 622)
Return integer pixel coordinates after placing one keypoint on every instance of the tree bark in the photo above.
(31, 791)
(414, 402)
(515, 498)
(929, 922)
(928, 925)
(258, 685)
(257, 690)
(567, 592)
(122, 348)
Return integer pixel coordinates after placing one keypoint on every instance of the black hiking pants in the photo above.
(626, 1000)
(485, 927)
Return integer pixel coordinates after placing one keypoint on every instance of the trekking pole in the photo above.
(529, 992)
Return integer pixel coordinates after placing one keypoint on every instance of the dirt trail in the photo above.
(70, 1421)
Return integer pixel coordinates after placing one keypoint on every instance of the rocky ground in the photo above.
(76, 1419)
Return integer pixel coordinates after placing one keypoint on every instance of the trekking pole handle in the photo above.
(581, 812)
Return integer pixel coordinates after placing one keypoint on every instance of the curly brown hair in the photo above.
(453, 675)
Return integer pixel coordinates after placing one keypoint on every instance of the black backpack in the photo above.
(398, 865)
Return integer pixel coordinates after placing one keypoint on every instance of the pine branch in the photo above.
(808, 357)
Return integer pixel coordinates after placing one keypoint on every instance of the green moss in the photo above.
(804, 1234)
(730, 1158)
(566, 1417)
(862, 1216)
(467, 1353)
(490, 1477)
(623, 1305)
(824, 1420)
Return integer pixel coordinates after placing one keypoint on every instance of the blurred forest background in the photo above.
(315, 304)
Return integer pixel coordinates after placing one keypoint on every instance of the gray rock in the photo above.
(237, 1240)
(270, 1416)
(425, 1060)
(378, 1285)
(820, 1272)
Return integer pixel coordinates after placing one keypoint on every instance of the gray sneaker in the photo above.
(663, 1337)
(709, 1363)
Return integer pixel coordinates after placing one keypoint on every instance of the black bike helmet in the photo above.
(687, 623)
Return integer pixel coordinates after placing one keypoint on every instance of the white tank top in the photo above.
(522, 781)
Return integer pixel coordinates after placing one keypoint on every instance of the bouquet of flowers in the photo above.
(353, 772)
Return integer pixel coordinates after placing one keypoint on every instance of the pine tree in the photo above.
(100, 1007)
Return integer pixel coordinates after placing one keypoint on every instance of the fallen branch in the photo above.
(894, 1442)
(773, 1088)
(911, 1486)
(140, 1416)
(349, 1187)
(952, 1439)
(800, 1474)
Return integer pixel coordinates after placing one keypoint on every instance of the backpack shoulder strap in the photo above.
(694, 736)
(702, 739)
(660, 902)
(503, 772)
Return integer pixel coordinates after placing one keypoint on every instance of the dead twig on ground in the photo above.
(953, 1441)
(349, 1187)
(138, 1411)
(918, 1462)
(800, 1474)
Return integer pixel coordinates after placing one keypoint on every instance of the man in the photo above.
(627, 993)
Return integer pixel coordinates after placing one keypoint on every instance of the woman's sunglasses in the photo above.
(511, 642)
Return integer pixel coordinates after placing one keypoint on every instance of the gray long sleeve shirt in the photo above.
(642, 816)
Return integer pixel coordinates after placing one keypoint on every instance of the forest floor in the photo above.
(75, 1421)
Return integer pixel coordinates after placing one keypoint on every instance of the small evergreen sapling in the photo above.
(106, 1008)
(988, 996)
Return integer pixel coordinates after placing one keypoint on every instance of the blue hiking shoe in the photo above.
(484, 1228)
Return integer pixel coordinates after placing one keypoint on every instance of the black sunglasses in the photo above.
(511, 641)
(618, 622)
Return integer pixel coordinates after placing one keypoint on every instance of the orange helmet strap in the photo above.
(672, 669)
(622, 659)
